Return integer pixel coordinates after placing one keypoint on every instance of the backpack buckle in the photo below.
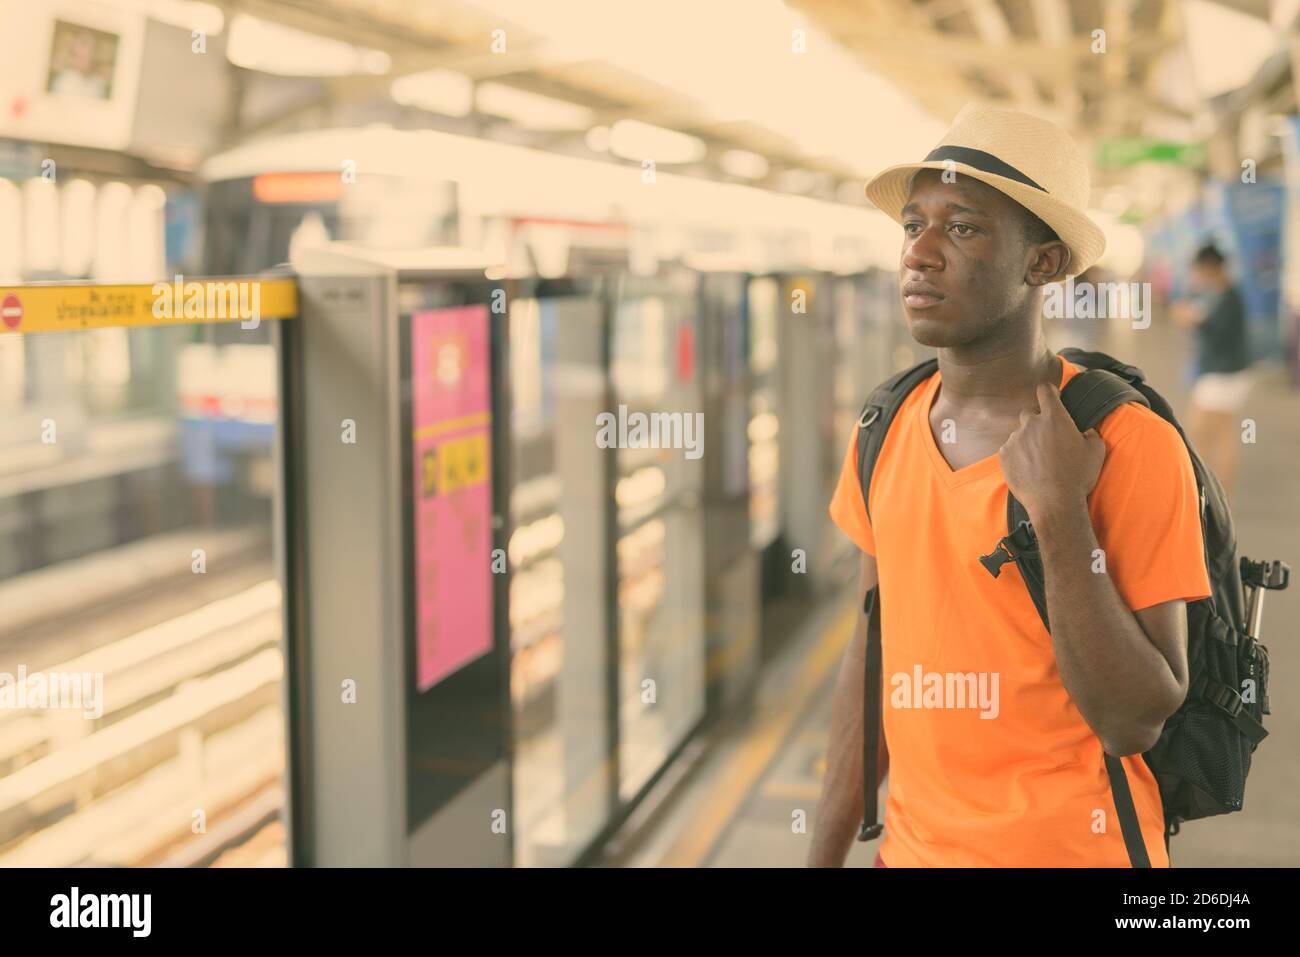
(1226, 699)
(870, 832)
(995, 559)
(869, 416)
(1020, 540)
(1249, 648)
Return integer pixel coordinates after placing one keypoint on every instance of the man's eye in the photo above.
(911, 229)
(961, 229)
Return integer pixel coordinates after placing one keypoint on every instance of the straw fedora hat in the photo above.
(1032, 160)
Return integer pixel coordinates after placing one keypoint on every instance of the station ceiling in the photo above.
(1036, 54)
(453, 35)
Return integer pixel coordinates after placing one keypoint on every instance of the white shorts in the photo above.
(1222, 391)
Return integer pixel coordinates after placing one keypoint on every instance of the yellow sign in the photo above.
(69, 307)
(453, 465)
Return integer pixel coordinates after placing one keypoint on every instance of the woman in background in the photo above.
(1223, 377)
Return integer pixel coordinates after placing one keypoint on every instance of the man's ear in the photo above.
(1048, 263)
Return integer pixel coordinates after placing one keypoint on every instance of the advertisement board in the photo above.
(451, 423)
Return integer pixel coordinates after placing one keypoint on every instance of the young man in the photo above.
(992, 215)
(1223, 377)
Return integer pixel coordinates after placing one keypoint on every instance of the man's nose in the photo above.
(922, 250)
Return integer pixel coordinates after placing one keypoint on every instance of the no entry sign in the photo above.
(11, 310)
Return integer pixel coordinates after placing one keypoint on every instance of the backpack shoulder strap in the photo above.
(873, 424)
(877, 415)
(1101, 360)
(1094, 394)
(1089, 397)
(872, 694)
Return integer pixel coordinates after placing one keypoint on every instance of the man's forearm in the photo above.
(1119, 680)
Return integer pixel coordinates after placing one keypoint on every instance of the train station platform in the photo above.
(656, 633)
(736, 801)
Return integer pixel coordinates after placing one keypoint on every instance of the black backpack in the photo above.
(1203, 754)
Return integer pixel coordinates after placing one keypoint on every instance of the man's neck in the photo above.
(998, 377)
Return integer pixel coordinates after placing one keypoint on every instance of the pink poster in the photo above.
(451, 423)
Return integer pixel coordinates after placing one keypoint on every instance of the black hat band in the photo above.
(985, 162)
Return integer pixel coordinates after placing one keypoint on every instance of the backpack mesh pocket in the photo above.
(1201, 763)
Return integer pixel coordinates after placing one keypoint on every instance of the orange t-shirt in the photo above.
(1027, 785)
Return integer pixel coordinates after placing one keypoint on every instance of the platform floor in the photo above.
(736, 803)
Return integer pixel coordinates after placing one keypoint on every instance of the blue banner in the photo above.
(1250, 216)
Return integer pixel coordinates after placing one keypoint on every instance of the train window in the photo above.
(107, 369)
(638, 350)
(532, 364)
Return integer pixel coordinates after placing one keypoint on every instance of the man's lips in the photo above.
(921, 295)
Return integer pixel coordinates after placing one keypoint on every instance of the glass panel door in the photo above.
(558, 559)
(660, 524)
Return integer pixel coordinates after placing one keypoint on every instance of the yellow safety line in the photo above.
(464, 422)
(70, 307)
(740, 774)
